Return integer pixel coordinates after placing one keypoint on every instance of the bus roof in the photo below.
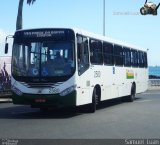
(107, 39)
(94, 36)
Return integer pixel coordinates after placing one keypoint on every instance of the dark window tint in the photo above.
(118, 55)
(134, 58)
(141, 59)
(82, 53)
(127, 56)
(96, 52)
(145, 60)
(108, 53)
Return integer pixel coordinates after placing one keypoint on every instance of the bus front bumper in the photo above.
(38, 101)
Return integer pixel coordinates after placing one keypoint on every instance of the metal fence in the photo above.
(154, 82)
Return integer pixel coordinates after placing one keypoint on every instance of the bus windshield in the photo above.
(43, 59)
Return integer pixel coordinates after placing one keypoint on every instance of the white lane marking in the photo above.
(151, 93)
(142, 101)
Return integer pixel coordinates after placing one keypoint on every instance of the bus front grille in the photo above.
(41, 85)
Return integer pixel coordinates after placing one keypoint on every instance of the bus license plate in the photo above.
(40, 100)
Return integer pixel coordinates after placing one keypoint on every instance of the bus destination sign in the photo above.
(45, 33)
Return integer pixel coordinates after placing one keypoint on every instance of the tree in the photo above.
(19, 23)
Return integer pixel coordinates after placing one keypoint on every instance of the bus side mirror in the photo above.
(6, 48)
(6, 44)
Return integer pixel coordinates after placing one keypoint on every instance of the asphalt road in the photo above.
(113, 120)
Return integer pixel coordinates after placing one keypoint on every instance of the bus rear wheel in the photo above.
(131, 97)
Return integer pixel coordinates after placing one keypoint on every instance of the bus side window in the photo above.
(118, 55)
(108, 53)
(141, 59)
(135, 59)
(145, 60)
(96, 52)
(127, 57)
(82, 54)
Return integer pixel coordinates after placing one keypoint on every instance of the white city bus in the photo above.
(71, 67)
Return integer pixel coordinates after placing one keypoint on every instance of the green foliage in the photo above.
(30, 1)
(19, 23)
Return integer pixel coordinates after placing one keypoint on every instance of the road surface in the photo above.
(113, 120)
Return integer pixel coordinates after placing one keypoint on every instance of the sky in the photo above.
(123, 21)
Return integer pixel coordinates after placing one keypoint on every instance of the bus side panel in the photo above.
(121, 83)
(142, 80)
(107, 77)
(84, 90)
(113, 81)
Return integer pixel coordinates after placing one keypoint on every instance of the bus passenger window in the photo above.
(96, 52)
(108, 53)
(118, 55)
(134, 58)
(83, 54)
(141, 59)
(145, 60)
(127, 56)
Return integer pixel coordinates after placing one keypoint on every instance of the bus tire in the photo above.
(131, 97)
(93, 105)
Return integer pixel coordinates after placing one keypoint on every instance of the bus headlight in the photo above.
(16, 91)
(68, 91)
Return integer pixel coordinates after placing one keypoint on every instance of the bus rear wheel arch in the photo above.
(131, 97)
(96, 97)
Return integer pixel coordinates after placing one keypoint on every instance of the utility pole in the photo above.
(104, 17)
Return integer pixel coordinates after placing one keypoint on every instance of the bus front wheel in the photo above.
(93, 105)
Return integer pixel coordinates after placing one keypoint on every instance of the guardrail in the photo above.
(154, 82)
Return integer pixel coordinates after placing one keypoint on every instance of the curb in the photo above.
(5, 100)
